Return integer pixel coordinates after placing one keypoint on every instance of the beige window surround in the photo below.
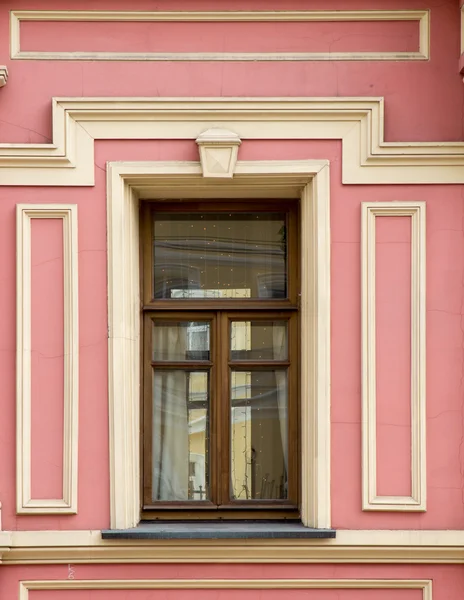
(127, 183)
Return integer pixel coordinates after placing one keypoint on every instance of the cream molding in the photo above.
(127, 182)
(25, 504)
(218, 152)
(416, 212)
(358, 122)
(3, 75)
(421, 16)
(361, 546)
(425, 585)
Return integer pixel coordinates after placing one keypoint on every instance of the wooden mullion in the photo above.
(147, 253)
(176, 505)
(182, 366)
(142, 341)
(266, 314)
(184, 315)
(232, 513)
(266, 365)
(208, 304)
(271, 205)
(212, 462)
(224, 409)
(292, 257)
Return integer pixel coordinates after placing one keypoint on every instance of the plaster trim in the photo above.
(350, 546)
(371, 501)
(218, 150)
(421, 16)
(3, 75)
(425, 585)
(25, 504)
(127, 182)
(358, 122)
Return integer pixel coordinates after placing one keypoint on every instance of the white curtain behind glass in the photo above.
(279, 334)
(170, 420)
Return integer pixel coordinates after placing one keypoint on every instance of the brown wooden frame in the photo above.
(220, 313)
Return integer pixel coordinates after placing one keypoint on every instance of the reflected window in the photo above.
(219, 255)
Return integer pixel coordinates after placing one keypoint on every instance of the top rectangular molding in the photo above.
(421, 16)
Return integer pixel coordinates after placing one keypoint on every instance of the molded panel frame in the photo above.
(371, 501)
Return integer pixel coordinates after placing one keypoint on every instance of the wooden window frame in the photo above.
(221, 313)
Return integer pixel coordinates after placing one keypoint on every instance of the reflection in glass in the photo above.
(259, 434)
(220, 255)
(180, 435)
(258, 340)
(183, 340)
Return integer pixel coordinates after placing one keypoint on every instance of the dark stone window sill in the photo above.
(162, 530)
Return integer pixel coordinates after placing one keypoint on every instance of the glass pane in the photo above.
(181, 340)
(258, 340)
(259, 434)
(180, 435)
(220, 255)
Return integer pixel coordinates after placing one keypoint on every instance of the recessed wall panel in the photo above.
(220, 35)
(393, 355)
(47, 358)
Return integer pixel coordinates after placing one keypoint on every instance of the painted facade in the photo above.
(355, 109)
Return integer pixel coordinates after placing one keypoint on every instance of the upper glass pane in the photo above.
(220, 255)
(258, 340)
(180, 340)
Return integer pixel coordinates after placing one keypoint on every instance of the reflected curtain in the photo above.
(170, 457)
(280, 345)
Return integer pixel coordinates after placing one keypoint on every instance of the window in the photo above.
(220, 358)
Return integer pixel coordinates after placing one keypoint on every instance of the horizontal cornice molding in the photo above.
(364, 546)
(357, 122)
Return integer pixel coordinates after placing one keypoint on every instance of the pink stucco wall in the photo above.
(423, 101)
(415, 109)
(47, 368)
(442, 576)
(394, 36)
(445, 246)
(393, 355)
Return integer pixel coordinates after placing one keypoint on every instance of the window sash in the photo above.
(220, 368)
(221, 313)
(218, 206)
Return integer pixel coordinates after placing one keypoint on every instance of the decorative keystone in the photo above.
(218, 152)
(3, 75)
